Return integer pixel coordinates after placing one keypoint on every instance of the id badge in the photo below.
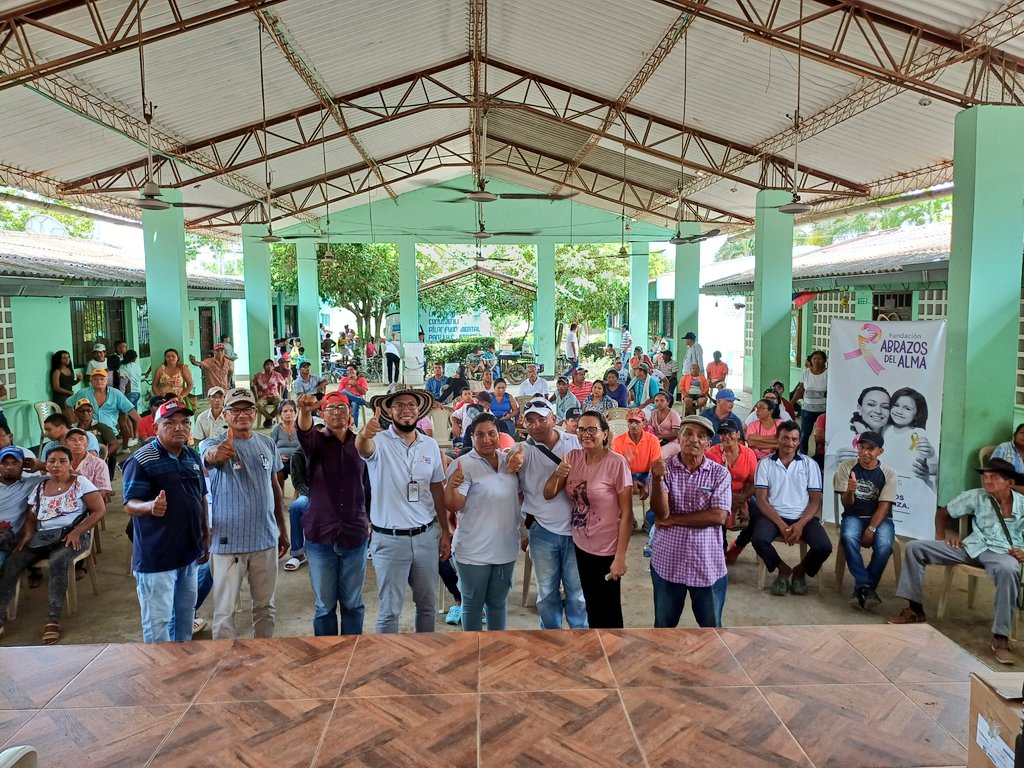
(412, 492)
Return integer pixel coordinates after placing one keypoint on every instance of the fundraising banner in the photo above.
(887, 377)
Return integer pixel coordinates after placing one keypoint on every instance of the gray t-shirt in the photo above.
(552, 515)
(242, 512)
(389, 468)
(14, 500)
(487, 532)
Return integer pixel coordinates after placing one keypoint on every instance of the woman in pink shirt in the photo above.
(761, 432)
(600, 488)
(663, 421)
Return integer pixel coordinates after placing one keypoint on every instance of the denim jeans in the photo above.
(400, 561)
(168, 601)
(295, 512)
(355, 404)
(134, 398)
(850, 530)
(204, 582)
(554, 562)
(670, 599)
(484, 585)
(807, 419)
(337, 577)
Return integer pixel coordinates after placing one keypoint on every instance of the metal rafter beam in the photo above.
(650, 66)
(280, 35)
(26, 34)
(929, 62)
(10, 176)
(477, 87)
(890, 187)
(852, 26)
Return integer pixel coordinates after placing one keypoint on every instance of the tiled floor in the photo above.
(847, 696)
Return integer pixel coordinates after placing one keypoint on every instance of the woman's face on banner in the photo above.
(904, 411)
(874, 410)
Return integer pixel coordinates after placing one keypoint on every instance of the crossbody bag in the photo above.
(46, 539)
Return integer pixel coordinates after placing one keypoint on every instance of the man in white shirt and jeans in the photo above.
(572, 348)
(626, 344)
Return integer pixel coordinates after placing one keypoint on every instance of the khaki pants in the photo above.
(228, 572)
(267, 406)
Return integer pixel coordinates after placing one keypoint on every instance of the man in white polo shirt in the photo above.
(547, 522)
(406, 500)
(788, 490)
(534, 384)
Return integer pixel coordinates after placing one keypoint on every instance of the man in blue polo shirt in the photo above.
(724, 402)
(165, 494)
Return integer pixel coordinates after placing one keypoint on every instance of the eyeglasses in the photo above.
(246, 411)
(335, 408)
(589, 430)
(405, 407)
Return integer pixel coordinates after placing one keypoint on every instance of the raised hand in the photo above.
(457, 478)
(372, 428)
(563, 468)
(159, 505)
(516, 459)
(226, 450)
(851, 484)
(307, 403)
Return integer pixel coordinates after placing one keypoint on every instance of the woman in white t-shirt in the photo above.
(483, 492)
(813, 390)
(62, 501)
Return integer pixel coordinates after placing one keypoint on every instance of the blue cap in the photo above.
(725, 394)
(12, 450)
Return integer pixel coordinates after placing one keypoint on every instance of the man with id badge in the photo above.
(248, 530)
(407, 512)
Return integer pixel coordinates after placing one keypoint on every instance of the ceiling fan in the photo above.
(149, 194)
(480, 259)
(482, 233)
(678, 239)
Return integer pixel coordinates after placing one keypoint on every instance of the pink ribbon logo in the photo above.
(869, 334)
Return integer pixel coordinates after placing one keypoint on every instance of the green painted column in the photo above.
(258, 305)
(639, 277)
(166, 285)
(544, 330)
(984, 290)
(687, 291)
(408, 296)
(773, 288)
(309, 301)
(278, 300)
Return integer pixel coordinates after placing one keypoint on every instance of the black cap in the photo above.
(727, 427)
(573, 413)
(873, 439)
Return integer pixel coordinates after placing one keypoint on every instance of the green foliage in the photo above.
(197, 244)
(593, 351)
(14, 216)
(457, 351)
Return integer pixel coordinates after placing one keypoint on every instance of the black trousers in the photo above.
(603, 598)
(819, 547)
(393, 361)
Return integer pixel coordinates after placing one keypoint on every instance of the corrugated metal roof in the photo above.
(870, 254)
(33, 255)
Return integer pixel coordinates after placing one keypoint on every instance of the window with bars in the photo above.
(931, 304)
(8, 377)
(668, 328)
(748, 325)
(92, 321)
(142, 319)
(829, 306)
(654, 318)
(224, 319)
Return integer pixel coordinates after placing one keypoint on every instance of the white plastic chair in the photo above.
(19, 757)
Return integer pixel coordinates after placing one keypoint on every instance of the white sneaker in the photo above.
(198, 625)
(133, 442)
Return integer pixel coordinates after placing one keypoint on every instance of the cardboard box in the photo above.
(994, 725)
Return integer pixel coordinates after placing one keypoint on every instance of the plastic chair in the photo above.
(19, 757)
(44, 409)
(71, 596)
(616, 414)
(897, 548)
(618, 427)
(441, 417)
(762, 569)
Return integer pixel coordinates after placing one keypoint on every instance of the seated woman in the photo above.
(639, 357)
(1013, 452)
(504, 407)
(63, 379)
(663, 420)
(451, 391)
(761, 435)
(597, 400)
(285, 436)
(61, 512)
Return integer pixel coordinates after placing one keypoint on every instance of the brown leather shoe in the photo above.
(907, 616)
(1001, 650)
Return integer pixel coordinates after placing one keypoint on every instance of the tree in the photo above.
(13, 217)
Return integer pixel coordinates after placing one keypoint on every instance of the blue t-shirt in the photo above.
(620, 395)
(435, 385)
(501, 408)
(115, 404)
(176, 539)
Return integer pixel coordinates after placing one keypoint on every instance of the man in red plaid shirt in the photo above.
(691, 496)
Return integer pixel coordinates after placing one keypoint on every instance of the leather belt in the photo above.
(402, 531)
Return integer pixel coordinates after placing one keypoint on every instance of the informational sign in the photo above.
(886, 377)
(447, 326)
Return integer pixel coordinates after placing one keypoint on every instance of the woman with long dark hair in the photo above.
(62, 377)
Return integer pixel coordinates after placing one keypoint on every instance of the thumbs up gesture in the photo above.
(226, 450)
(372, 428)
(159, 505)
(563, 468)
(457, 478)
(851, 484)
(516, 458)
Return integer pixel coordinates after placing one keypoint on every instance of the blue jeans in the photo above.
(295, 512)
(204, 579)
(484, 585)
(168, 601)
(337, 578)
(355, 404)
(670, 599)
(850, 530)
(807, 419)
(554, 562)
(134, 397)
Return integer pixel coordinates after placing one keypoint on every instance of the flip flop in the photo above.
(295, 563)
(51, 633)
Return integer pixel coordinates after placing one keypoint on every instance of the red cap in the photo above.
(334, 398)
(171, 407)
(636, 415)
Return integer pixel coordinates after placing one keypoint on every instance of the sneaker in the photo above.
(858, 600)
(454, 615)
(907, 616)
(732, 554)
(1001, 650)
(133, 442)
(198, 625)
(780, 587)
(871, 597)
(798, 586)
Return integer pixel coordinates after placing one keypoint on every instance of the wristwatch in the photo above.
(872, 529)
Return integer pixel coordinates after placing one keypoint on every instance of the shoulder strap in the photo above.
(545, 450)
(999, 516)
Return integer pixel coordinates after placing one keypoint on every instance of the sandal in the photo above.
(51, 633)
(295, 563)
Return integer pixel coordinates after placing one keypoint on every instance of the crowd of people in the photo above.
(544, 472)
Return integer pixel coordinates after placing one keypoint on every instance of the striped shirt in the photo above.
(692, 556)
(243, 495)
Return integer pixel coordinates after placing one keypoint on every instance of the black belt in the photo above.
(402, 531)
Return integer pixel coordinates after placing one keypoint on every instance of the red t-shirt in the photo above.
(742, 471)
(358, 381)
(146, 428)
